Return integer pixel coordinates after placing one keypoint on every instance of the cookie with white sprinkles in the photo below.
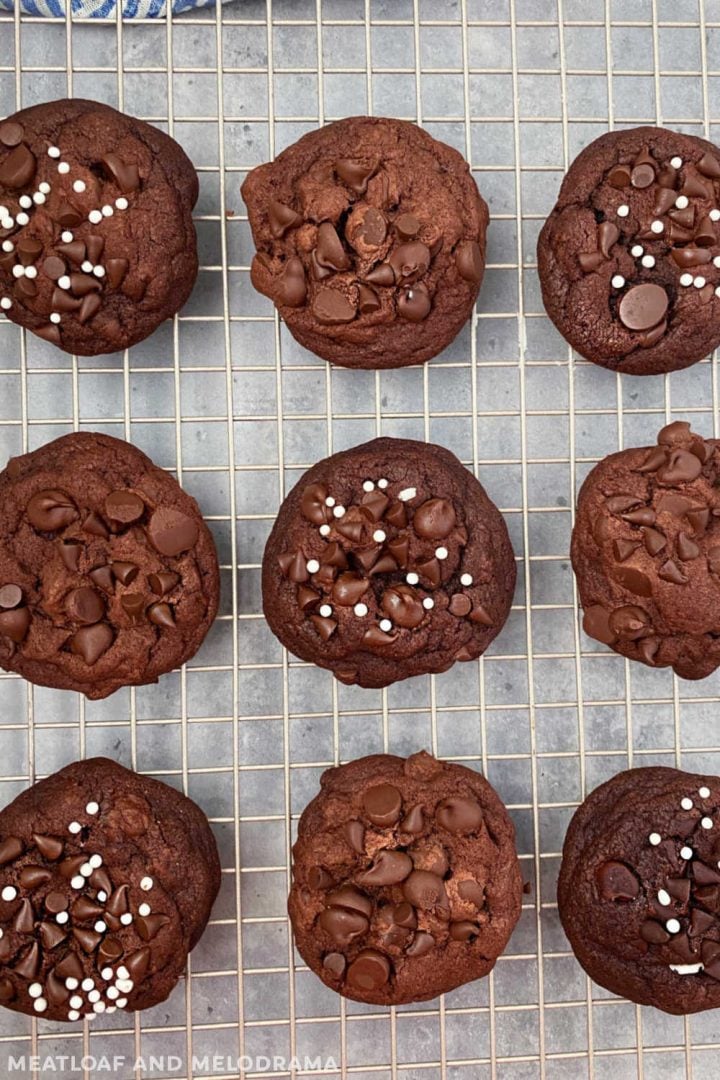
(107, 879)
(386, 561)
(639, 888)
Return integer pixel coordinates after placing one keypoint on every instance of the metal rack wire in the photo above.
(225, 398)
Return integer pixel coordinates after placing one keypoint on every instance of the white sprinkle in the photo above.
(637, 250)
(361, 610)
(648, 261)
(31, 271)
(383, 483)
(53, 151)
(18, 271)
(466, 579)
(94, 995)
(686, 969)
(672, 926)
(54, 317)
(110, 1009)
(74, 827)
(407, 493)
(706, 822)
(338, 511)
(100, 927)
(124, 985)
(64, 282)
(122, 972)
(126, 919)
(107, 973)
(324, 530)
(40, 1004)
(325, 611)
(62, 917)
(714, 214)
(99, 271)
(102, 896)
(25, 201)
(617, 281)
(99, 1007)
(76, 1001)
(312, 566)
(112, 992)
(664, 898)
(441, 553)
(686, 853)
(698, 282)
(144, 910)
(6, 223)
(121, 203)
(88, 984)
(94, 217)
(22, 219)
(378, 536)
(385, 625)
(63, 168)
(95, 861)
(9, 892)
(35, 990)
(8, 246)
(121, 1003)
(412, 578)
(657, 227)
(654, 838)
(73, 1015)
(2, 933)
(687, 804)
(71, 983)
(78, 185)
(368, 485)
(686, 279)
(107, 211)
(676, 162)
(86, 267)
(6, 303)
(428, 603)
(681, 202)
(67, 237)
(704, 792)
(329, 501)
(77, 882)
(44, 187)
(623, 211)
(717, 291)
(38, 198)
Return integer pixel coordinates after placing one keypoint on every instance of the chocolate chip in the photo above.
(355, 835)
(149, 926)
(643, 306)
(596, 624)
(459, 815)
(687, 549)
(50, 847)
(68, 216)
(95, 525)
(374, 227)
(84, 909)
(124, 507)
(15, 624)
(664, 201)
(642, 176)
(682, 467)
(11, 133)
(629, 622)
(55, 902)
(171, 531)
(679, 889)
(91, 642)
(473, 892)
(115, 270)
(18, 168)
(51, 935)
(347, 896)
(705, 875)
(590, 261)
(137, 963)
(670, 571)
(409, 261)
(623, 549)
(469, 261)
(653, 932)
(133, 605)
(463, 930)
(291, 285)
(159, 614)
(103, 577)
(32, 876)
(635, 581)
(709, 166)
(84, 605)
(329, 251)
(331, 306)
(616, 881)
(425, 890)
(348, 589)
(29, 963)
(69, 967)
(343, 926)
(74, 251)
(50, 510)
(10, 849)
(369, 971)
(402, 605)
(368, 301)
(334, 963)
(413, 821)
(125, 174)
(10, 596)
(608, 234)
(282, 218)
(388, 868)
(382, 804)
(163, 582)
(355, 173)
(109, 951)
(619, 176)
(421, 944)
(382, 274)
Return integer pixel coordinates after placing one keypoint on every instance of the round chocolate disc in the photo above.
(643, 307)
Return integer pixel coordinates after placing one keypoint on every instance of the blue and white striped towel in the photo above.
(103, 9)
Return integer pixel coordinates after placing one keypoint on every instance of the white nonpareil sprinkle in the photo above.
(25, 201)
(31, 272)
(94, 995)
(681, 202)
(77, 882)
(88, 984)
(466, 579)
(378, 536)
(9, 892)
(73, 1015)
(102, 896)
(676, 162)
(99, 1007)
(126, 919)
(623, 211)
(672, 926)
(664, 897)
(637, 250)
(112, 992)
(76, 1001)
(95, 861)
(64, 282)
(71, 983)
(686, 969)
(40, 1004)
(107, 211)
(144, 910)
(6, 303)
(716, 260)
(324, 530)
(383, 483)
(441, 553)
(368, 485)
(124, 985)
(654, 838)
(99, 271)
(54, 317)
(122, 972)
(361, 610)
(385, 625)
(312, 566)
(687, 804)
(18, 271)
(74, 827)
(706, 822)
(53, 151)
(121, 203)
(63, 168)
(686, 853)
(617, 281)
(325, 611)
(100, 927)
(35, 990)
(94, 217)
(338, 511)
(79, 186)
(657, 227)
(121, 1003)
(648, 261)
(107, 973)
(699, 281)
(38, 198)
(86, 267)
(412, 578)
(428, 603)
(8, 246)
(714, 214)
(44, 187)
(61, 918)
(329, 501)
(704, 792)
(67, 237)
(717, 291)
(407, 493)
(22, 219)
(686, 279)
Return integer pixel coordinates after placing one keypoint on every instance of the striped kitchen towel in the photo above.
(102, 9)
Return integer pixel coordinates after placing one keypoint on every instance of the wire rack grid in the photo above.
(226, 399)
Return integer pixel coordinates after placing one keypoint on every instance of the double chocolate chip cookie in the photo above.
(639, 889)
(108, 574)
(107, 879)
(629, 259)
(370, 240)
(646, 552)
(97, 244)
(386, 561)
(406, 882)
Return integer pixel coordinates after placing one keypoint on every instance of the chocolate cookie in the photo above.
(406, 882)
(629, 259)
(97, 244)
(107, 879)
(639, 888)
(646, 552)
(370, 240)
(108, 574)
(388, 560)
